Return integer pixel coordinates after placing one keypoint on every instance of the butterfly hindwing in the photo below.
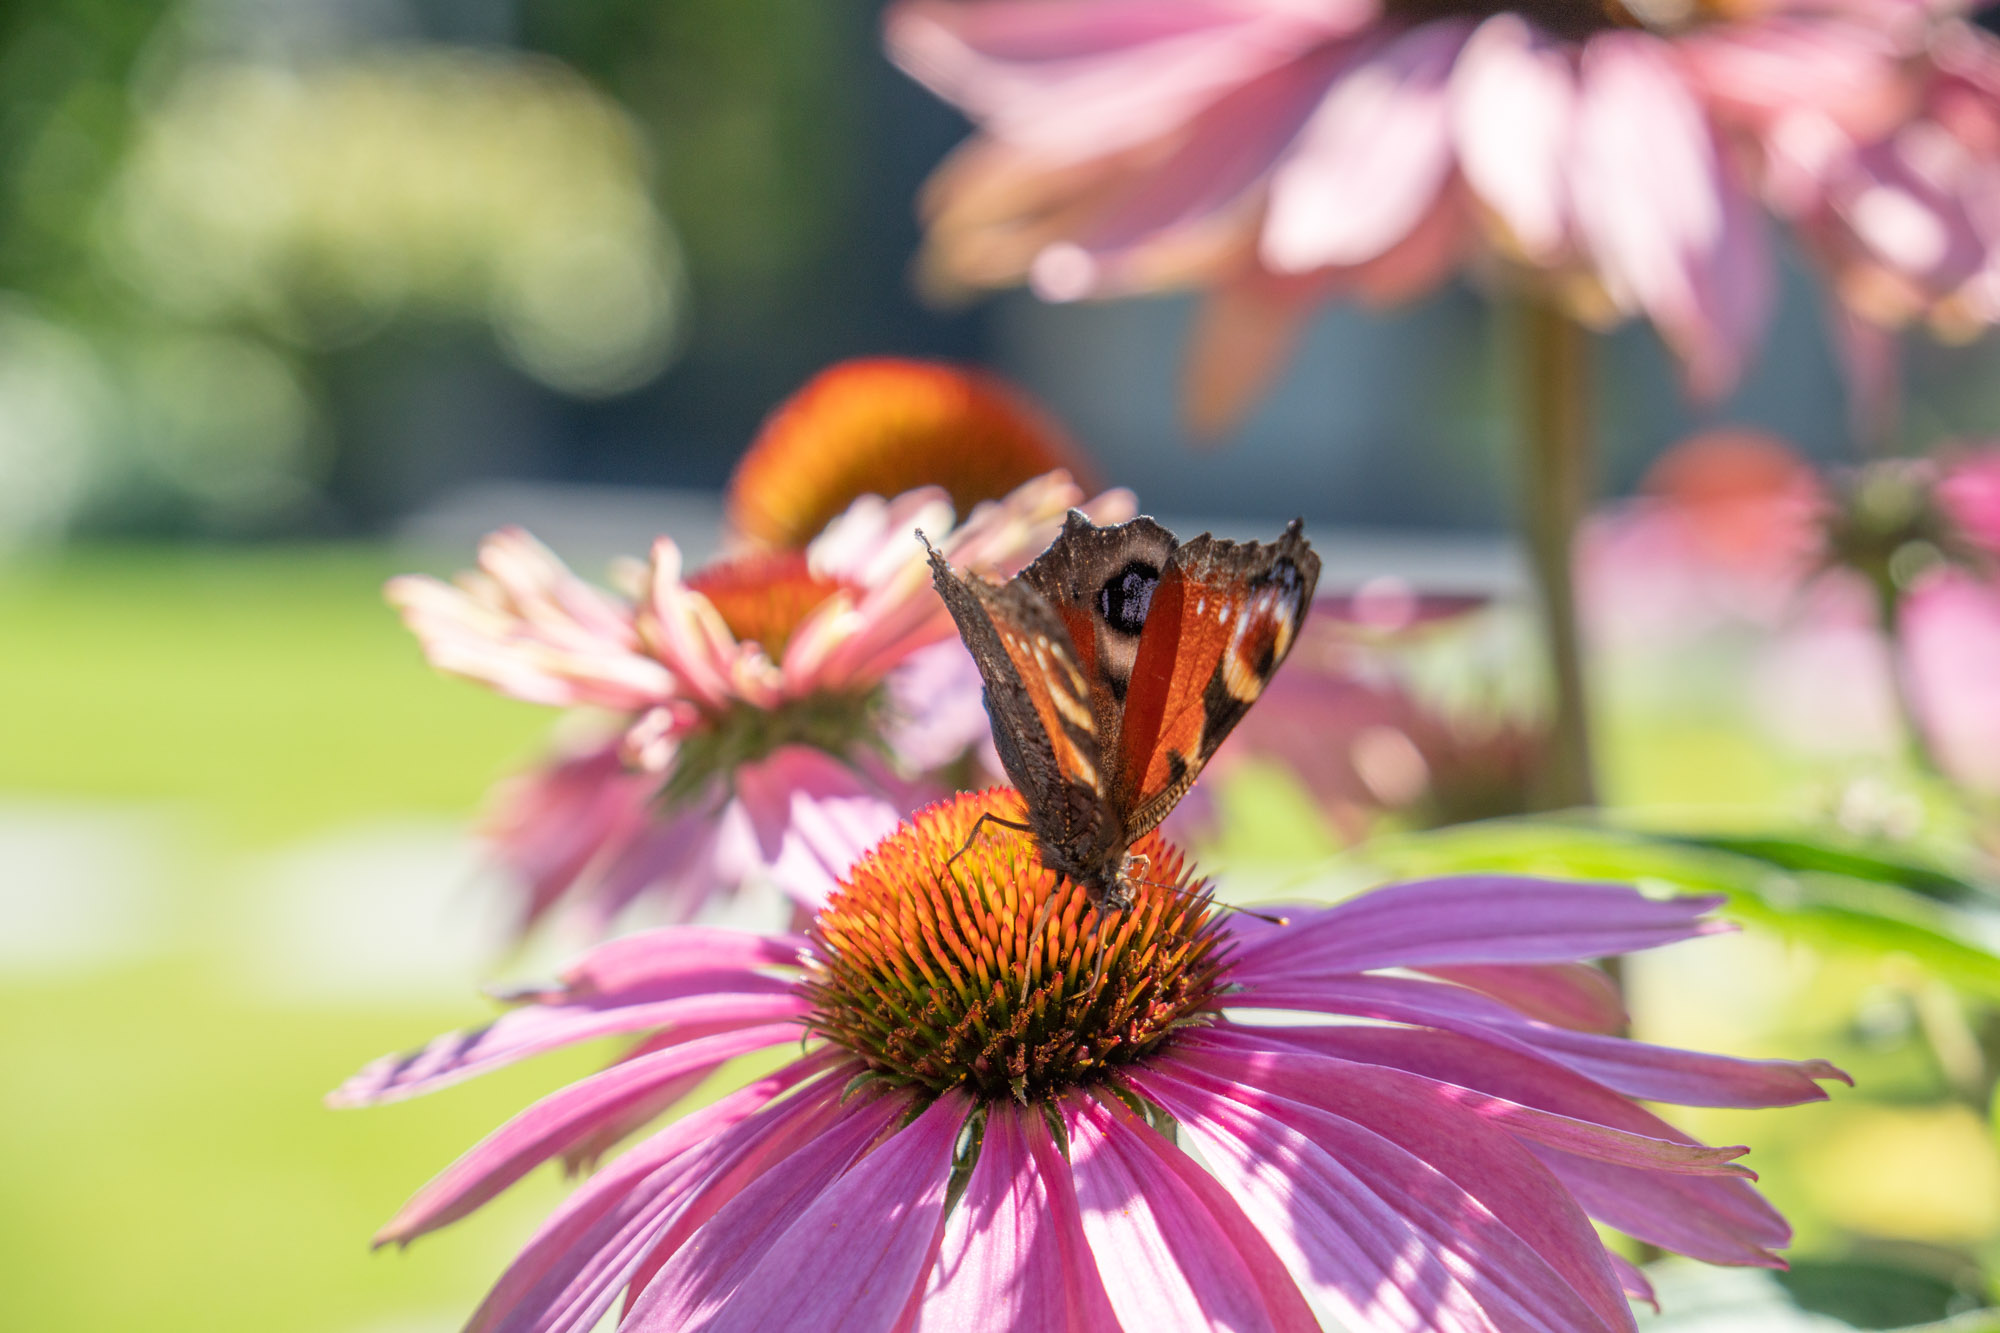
(1221, 619)
(1038, 697)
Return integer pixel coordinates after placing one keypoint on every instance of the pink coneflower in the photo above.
(774, 714)
(1617, 159)
(993, 1118)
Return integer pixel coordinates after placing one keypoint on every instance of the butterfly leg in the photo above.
(984, 819)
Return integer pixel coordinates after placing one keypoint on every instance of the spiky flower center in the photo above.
(991, 975)
(882, 426)
(765, 597)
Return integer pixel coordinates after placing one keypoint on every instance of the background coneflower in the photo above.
(770, 715)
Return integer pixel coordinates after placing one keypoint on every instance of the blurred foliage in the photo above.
(66, 115)
(1829, 893)
(754, 121)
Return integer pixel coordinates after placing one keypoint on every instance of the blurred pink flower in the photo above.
(971, 1137)
(1618, 157)
(776, 712)
(1969, 494)
(1728, 526)
(1364, 738)
(1734, 529)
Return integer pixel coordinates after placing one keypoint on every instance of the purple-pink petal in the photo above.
(1014, 1254)
(813, 817)
(857, 1256)
(691, 1283)
(1083, 78)
(1711, 1217)
(752, 999)
(651, 957)
(1513, 116)
(1372, 161)
(1475, 919)
(1385, 1239)
(1175, 1252)
(1672, 232)
(1568, 995)
(557, 1121)
(556, 1241)
(1244, 1052)
(1467, 1145)
(1701, 1218)
(647, 1202)
(1653, 1073)
(1636, 1284)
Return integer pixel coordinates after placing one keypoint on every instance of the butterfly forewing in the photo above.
(1037, 695)
(1100, 582)
(1222, 618)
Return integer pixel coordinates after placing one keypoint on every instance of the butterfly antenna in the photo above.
(1189, 891)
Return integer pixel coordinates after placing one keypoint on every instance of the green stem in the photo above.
(1889, 616)
(1556, 464)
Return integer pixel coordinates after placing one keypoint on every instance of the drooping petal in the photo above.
(1513, 100)
(1371, 161)
(739, 998)
(551, 824)
(1250, 1056)
(1693, 1216)
(1384, 1239)
(1014, 1254)
(557, 1121)
(1637, 1287)
(1471, 1145)
(1569, 995)
(935, 712)
(1711, 1217)
(1084, 78)
(1671, 230)
(571, 1269)
(687, 633)
(859, 1252)
(1475, 919)
(813, 816)
(1225, 151)
(671, 954)
(536, 632)
(1175, 1252)
(1636, 1069)
(691, 1282)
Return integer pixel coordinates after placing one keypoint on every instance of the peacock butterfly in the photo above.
(1114, 666)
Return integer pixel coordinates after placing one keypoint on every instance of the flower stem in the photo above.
(1889, 617)
(1556, 465)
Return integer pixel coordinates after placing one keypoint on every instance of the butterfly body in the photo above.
(1114, 665)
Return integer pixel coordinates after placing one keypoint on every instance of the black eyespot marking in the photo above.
(1126, 597)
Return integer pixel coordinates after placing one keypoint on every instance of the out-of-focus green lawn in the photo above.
(164, 1158)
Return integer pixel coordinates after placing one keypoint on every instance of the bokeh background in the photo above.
(297, 294)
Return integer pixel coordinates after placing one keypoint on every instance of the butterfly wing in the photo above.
(1100, 582)
(1036, 694)
(1220, 621)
